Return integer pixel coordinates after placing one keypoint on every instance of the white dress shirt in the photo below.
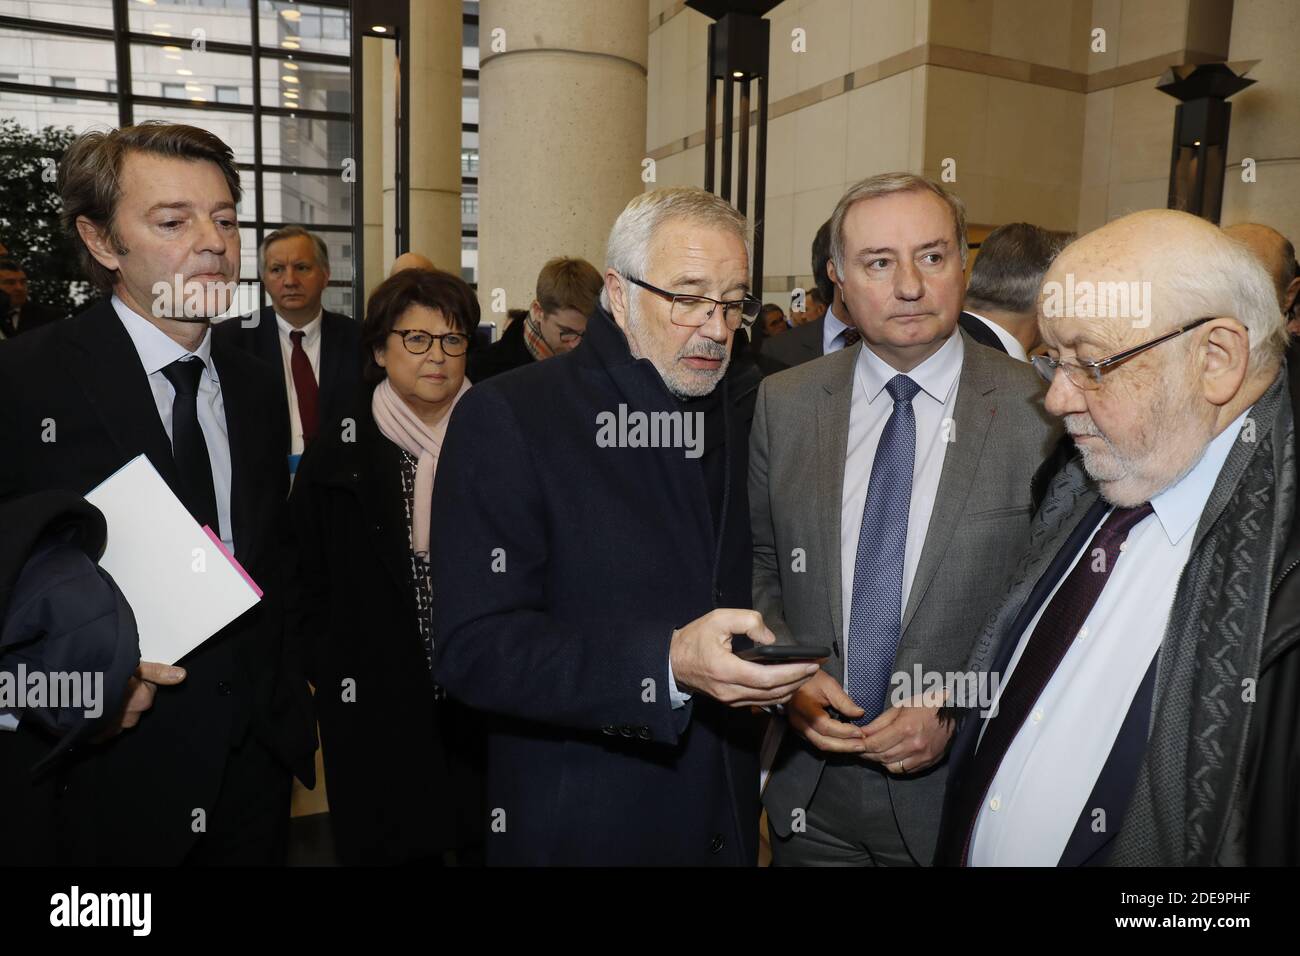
(310, 345)
(156, 352)
(1009, 341)
(832, 332)
(1053, 763)
(870, 410)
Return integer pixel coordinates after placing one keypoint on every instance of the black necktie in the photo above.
(1057, 630)
(850, 337)
(188, 446)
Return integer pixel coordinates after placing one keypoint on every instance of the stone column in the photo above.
(562, 121)
(434, 127)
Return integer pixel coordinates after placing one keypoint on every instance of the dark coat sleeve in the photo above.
(1273, 808)
(497, 645)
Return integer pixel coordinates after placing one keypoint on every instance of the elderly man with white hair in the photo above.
(592, 564)
(1149, 705)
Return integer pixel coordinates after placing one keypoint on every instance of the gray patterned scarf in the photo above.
(1187, 805)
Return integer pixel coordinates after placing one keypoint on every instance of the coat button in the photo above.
(609, 731)
(223, 688)
(716, 845)
(626, 731)
(644, 733)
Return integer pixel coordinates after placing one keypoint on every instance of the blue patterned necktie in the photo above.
(876, 614)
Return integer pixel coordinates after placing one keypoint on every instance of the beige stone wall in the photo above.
(1041, 127)
(1266, 118)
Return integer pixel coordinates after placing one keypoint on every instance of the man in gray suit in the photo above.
(897, 548)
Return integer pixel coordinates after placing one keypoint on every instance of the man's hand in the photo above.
(702, 661)
(807, 714)
(140, 690)
(908, 738)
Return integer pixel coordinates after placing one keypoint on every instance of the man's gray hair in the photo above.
(1008, 272)
(886, 184)
(1229, 280)
(292, 232)
(628, 249)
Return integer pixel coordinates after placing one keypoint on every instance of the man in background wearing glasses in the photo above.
(890, 491)
(1149, 660)
(567, 290)
(588, 592)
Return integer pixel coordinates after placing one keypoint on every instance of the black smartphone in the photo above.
(783, 653)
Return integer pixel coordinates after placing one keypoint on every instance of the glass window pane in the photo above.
(48, 60)
(85, 13)
(303, 26)
(36, 112)
(234, 129)
(309, 86)
(223, 20)
(247, 254)
(338, 298)
(178, 72)
(298, 141)
(306, 199)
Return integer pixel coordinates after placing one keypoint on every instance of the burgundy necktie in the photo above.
(1057, 629)
(304, 383)
(850, 337)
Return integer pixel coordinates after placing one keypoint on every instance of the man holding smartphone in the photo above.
(589, 581)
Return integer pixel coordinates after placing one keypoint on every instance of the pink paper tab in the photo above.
(234, 563)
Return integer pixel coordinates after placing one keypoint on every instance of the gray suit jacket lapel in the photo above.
(833, 404)
(972, 416)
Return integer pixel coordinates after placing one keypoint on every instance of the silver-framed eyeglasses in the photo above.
(692, 311)
(1087, 375)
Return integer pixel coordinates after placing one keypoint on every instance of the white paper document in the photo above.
(180, 581)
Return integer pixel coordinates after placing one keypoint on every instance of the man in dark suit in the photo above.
(922, 445)
(831, 331)
(567, 291)
(18, 313)
(316, 352)
(205, 776)
(591, 565)
(1002, 295)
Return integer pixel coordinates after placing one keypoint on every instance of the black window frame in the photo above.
(123, 39)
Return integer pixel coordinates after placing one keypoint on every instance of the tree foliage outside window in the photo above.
(29, 216)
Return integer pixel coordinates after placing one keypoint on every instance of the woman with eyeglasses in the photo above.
(403, 763)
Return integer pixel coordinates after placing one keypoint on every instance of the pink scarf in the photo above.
(400, 425)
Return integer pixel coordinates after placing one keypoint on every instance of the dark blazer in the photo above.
(980, 332)
(132, 799)
(340, 358)
(404, 769)
(803, 343)
(560, 571)
(504, 354)
(30, 317)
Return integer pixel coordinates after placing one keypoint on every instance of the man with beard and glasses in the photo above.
(1149, 704)
(204, 777)
(592, 564)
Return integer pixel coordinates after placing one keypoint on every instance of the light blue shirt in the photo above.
(832, 332)
(1052, 765)
(870, 407)
(157, 351)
